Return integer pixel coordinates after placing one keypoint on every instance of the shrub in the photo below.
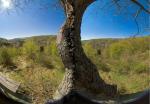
(53, 49)
(141, 68)
(44, 60)
(116, 50)
(6, 57)
(30, 49)
(90, 51)
(128, 46)
(54, 58)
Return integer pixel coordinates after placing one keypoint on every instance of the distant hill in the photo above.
(105, 42)
(2, 39)
(42, 40)
(18, 42)
(47, 39)
(100, 43)
(4, 42)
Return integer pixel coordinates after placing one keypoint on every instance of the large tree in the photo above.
(81, 74)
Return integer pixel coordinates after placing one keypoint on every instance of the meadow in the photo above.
(35, 62)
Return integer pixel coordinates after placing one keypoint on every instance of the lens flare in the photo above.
(5, 4)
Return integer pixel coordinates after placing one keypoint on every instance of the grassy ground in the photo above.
(36, 81)
(121, 62)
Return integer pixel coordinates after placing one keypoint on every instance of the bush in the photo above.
(44, 60)
(54, 58)
(6, 57)
(53, 49)
(141, 68)
(116, 50)
(48, 57)
(128, 47)
(90, 51)
(30, 49)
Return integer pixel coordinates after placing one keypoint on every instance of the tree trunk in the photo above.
(81, 74)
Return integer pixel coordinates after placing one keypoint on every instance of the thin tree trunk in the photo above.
(81, 74)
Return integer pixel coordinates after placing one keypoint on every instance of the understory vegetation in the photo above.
(37, 65)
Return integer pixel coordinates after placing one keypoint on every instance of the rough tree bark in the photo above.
(81, 74)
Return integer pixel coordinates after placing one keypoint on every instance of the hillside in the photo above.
(35, 62)
(3, 42)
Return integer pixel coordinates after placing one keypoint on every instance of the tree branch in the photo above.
(117, 4)
(141, 6)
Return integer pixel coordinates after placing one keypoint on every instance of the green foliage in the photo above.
(128, 47)
(92, 53)
(120, 61)
(7, 55)
(89, 50)
(52, 52)
(119, 48)
(141, 68)
(124, 60)
(48, 57)
(30, 49)
(53, 49)
(43, 60)
(129, 55)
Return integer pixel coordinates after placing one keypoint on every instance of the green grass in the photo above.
(38, 82)
(7, 56)
(124, 62)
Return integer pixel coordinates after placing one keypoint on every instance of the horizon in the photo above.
(81, 39)
(98, 24)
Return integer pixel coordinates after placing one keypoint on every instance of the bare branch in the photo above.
(138, 12)
(117, 4)
(138, 28)
(141, 6)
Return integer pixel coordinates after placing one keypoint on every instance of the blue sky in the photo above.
(97, 22)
